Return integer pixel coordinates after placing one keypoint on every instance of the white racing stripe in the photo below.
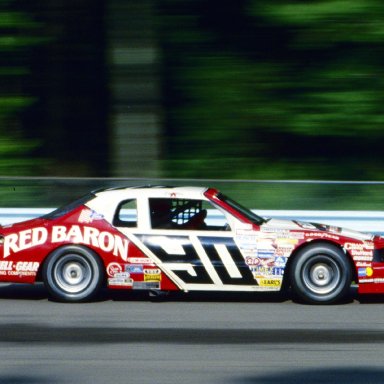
(206, 261)
(228, 262)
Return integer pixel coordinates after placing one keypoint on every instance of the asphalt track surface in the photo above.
(229, 339)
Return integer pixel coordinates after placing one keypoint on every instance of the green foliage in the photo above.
(19, 33)
(328, 22)
(275, 89)
(341, 92)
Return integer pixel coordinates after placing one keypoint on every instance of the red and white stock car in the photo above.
(184, 238)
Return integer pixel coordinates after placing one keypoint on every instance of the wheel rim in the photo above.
(321, 275)
(72, 273)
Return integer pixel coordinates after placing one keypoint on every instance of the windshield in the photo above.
(69, 207)
(243, 210)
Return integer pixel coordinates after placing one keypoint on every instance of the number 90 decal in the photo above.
(198, 261)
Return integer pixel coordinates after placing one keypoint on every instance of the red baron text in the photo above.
(106, 241)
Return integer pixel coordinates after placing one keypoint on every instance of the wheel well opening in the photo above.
(311, 243)
(39, 276)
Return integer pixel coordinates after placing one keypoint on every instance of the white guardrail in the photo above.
(364, 221)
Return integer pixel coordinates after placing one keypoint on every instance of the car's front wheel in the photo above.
(321, 274)
(73, 274)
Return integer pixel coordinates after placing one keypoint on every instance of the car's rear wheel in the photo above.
(321, 274)
(73, 274)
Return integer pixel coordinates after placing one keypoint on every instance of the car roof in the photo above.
(158, 191)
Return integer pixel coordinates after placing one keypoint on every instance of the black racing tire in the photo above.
(73, 274)
(321, 274)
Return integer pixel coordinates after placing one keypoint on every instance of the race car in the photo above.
(163, 239)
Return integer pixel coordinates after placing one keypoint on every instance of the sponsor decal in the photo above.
(291, 235)
(278, 271)
(363, 264)
(146, 285)
(247, 253)
(280, 231)
(362, 272)
(152, 278)
(365, 280)
(248, 247)
(246, 239)
(358, 246)
(322, 235)
(117, 276)
(113, 269)
(265, 253)
(285, 242)
(270, 282)
(360, 251)
(283, 252)
(20, 268)
(362, 258)
(280, 262)
(265, 243)
(252, 260)
(368, 254)
(139, 260)
(120, 281)
(122, 275)
(106, 241)
(378, 280)
(134, 268)
(268, 262)
(152, 271)
(87, 216)
(261, 271)
(152, 275)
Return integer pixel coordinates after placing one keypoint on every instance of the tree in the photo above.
(19, 33)
(275, 89)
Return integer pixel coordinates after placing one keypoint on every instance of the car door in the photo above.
(193, 243)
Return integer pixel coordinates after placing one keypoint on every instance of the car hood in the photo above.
(294, 225)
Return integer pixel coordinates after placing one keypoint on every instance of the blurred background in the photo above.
(195, 89)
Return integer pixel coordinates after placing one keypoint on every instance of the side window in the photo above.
(161, 213)
(186, 214)
(126, 214)
(215, 220)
